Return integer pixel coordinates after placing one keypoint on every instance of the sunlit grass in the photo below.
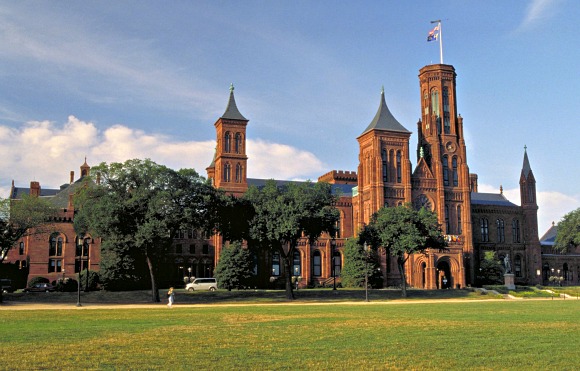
(523, 334)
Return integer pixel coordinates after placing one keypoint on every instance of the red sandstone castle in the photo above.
(473, 222)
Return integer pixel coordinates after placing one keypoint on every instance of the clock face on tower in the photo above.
(423, 201)
(450, 146)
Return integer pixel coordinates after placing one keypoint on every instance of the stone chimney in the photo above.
(35, 188)
(72, 176)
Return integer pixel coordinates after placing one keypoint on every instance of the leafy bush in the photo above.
(33, 281)
(67, 285)
(93, 280)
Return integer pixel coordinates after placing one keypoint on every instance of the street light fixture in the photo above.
(189, 271)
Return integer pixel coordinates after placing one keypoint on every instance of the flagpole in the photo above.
(440, 39)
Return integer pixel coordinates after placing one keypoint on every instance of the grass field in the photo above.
(471, 334)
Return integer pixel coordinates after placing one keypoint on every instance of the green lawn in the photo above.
(505, 334)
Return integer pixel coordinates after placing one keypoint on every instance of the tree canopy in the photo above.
(21, 217)
(136, 207)
(404, 231)
(568, 236)
(285, 214)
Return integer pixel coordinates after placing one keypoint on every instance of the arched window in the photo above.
(500, 230)
(238, 173)
(385, 164)
(275, 263)
(484, 230)
(337, 261)
(227, 172)
(445, 170)
(518, 265)
(227, 142)
(435, 103)
(55, 245)
(337, 227)
(455, 177)
(446, 115)
(515, 230)
(238, 143)
(316, 264)
(447, 224)
(399, 172)
(21, 248)
(296, 264)
(459, 225)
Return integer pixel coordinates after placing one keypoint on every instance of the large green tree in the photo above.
(137, 205)
(235, 266)
(568, 236)
(404, 231)
(285, 214)
(19, 218)
(357, 262)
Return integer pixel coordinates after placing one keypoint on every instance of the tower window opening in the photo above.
(455, 177)
(446, 115)
(227, 142)
(445, 170)
(385, 164)
(399, 172)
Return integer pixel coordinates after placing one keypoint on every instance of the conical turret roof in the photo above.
(384, 119)
(232, 112)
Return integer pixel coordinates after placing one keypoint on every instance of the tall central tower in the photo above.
(441, 179)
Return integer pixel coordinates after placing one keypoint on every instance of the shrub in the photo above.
(33, 281)
(67, 285)
(93, 280)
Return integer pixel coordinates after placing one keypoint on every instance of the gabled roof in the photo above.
(384, 119)
(549, 238)
(495, 199)
(232, 112)
(60, 200)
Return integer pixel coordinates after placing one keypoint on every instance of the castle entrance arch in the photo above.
(444, 278)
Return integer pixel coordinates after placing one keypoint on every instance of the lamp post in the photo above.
(189, 271)
(79, 290)
(63, 275)
(366, 248)
(332, 248)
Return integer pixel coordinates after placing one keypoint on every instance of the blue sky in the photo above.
(147, 79)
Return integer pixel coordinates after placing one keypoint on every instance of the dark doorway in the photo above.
(444, 279)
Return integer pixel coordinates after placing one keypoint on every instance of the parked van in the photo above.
(202, 284)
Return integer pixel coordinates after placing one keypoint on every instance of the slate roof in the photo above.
(44, 192)
(232, 112)
(526, 166)
(495, 199)
(549, 238)
(58, 197)
(342, 189)
(384, 119)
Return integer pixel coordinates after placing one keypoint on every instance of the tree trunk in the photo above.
(154, 288)
(401, 265)
(288, 271)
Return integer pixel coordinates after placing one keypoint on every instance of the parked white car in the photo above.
(202, 284)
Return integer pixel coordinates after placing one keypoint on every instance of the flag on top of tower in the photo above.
(433, 34)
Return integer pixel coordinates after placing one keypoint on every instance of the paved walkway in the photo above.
(88, 306)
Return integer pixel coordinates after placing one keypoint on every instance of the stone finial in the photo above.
(500, 189)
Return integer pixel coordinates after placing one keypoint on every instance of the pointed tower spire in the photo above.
(232, 112)
(526, 166)
(384, 119)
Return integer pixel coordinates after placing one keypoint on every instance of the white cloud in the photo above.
(269, 160)
(47, 152)
(537, 11)
(552, 205)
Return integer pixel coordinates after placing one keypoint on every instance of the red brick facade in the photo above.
(473, 222)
